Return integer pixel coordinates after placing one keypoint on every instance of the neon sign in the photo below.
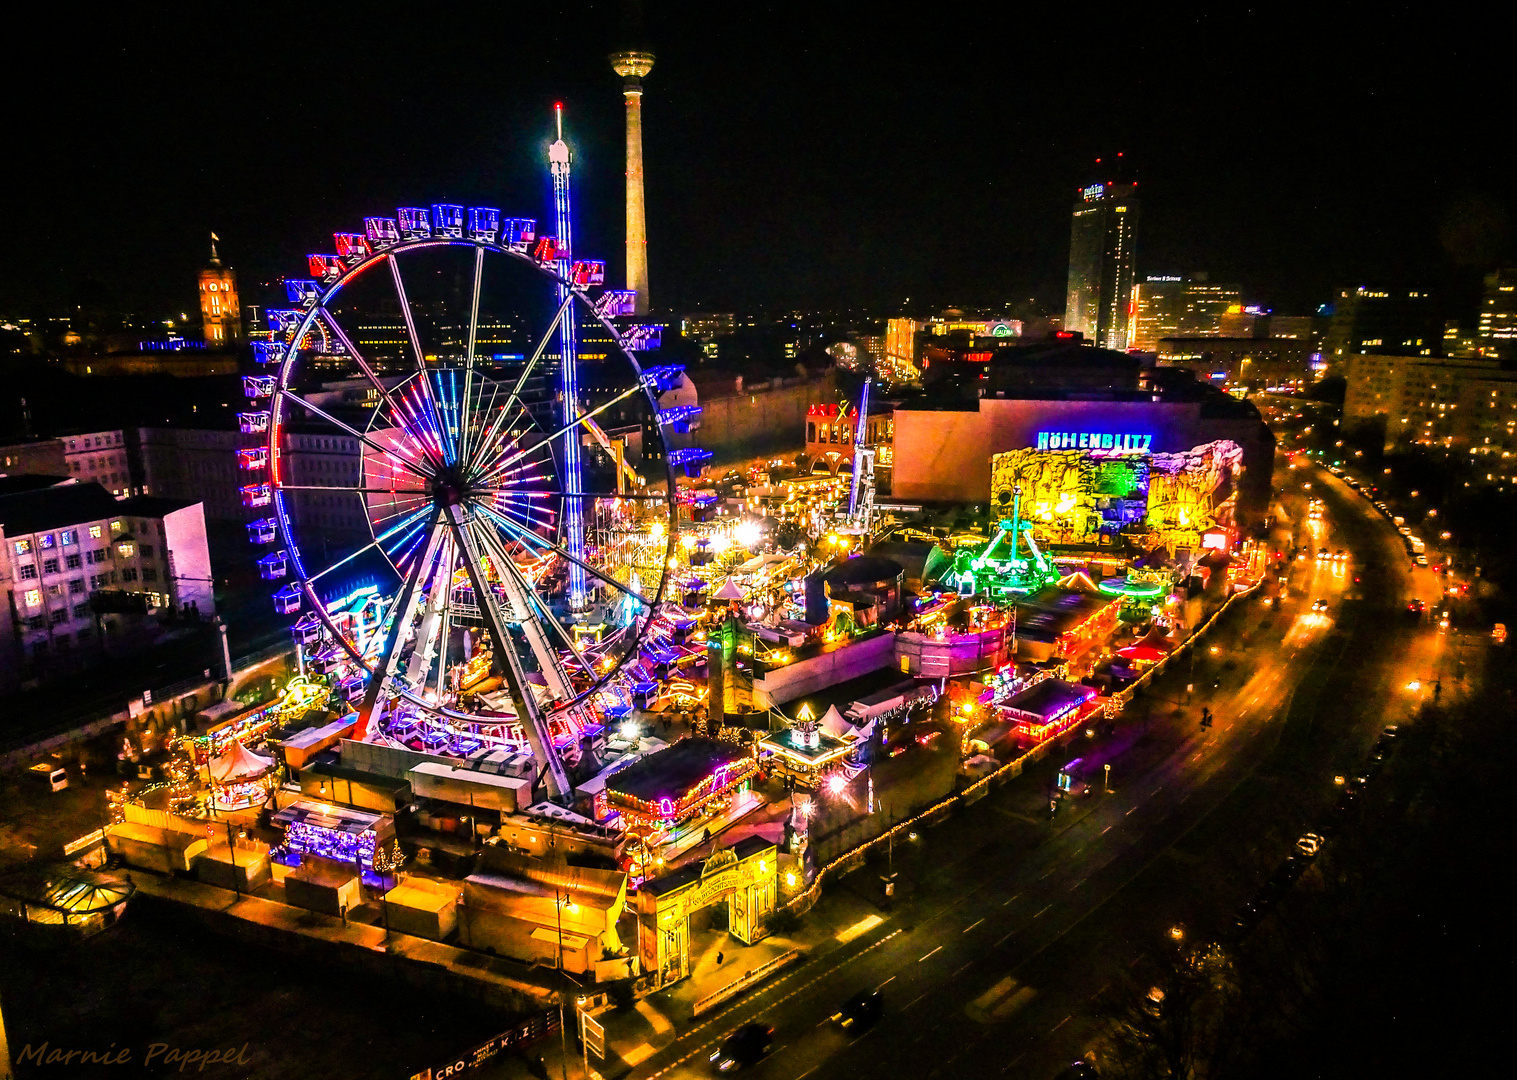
(1095, 191)
(1093, 440)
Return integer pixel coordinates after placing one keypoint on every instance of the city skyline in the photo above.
(830, 188)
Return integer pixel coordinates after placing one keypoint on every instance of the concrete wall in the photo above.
(755, 420)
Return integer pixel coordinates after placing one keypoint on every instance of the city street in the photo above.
(1010, 925)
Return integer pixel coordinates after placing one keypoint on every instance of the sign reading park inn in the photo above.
(1093, 440)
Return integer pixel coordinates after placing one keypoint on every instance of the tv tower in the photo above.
(568, 369)
(633, 66)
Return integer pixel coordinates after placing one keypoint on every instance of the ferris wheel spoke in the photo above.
(400, 616)
(363, 365)
(583, 418)
(412, 466)
(521, 381)
(507, 660)
(421, 363)
(537, 609)
(529, 537)
(415, 493)
(542, 493)
(523, 602)
(466, 411)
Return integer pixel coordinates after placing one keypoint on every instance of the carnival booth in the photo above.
(668, 799)
(1047, 708)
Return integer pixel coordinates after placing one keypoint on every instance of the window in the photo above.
(117, 526)
(26, 571)
(129, 574)
(150, 574)
(147, 551)
(36, 622)
(46, 540)
(72, 561)
(94, 532)
(81, 611)
(126, 550)
(33, 597)
(58, 615)
(55, 589)
(49, 566)
(23, 547)
(76, 586)
(70, 537)
(98, 581)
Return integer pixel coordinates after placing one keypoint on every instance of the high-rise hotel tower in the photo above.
(1101, 239)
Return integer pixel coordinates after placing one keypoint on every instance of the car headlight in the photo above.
(724, 1066)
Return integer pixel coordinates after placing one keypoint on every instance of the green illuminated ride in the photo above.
(1001, 571)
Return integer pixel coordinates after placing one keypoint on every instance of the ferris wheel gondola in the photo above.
(471, 607)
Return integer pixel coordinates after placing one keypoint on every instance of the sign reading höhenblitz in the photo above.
(1093, 440)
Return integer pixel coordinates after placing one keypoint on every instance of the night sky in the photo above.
(855, 157)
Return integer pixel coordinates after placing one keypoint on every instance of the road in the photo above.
(1009, 925)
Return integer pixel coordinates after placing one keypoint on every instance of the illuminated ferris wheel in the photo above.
(459, 573)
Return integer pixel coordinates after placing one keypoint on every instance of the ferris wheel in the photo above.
(463, 575)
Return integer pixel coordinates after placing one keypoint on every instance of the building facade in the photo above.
(84, 571)
(1458, 403)
(1241, 364)
(1174, 306)
(1498, 315)
(1101, 249)
(943, 451)
(220, 315)
(1382, 322)
(101, 457)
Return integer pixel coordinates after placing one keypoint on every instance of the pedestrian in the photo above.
(720, 956)
(708, 834)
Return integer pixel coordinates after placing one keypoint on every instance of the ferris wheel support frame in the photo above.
(425, 466)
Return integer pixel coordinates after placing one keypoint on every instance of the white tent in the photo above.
(728, 591)
(833, 723)
(239, 763)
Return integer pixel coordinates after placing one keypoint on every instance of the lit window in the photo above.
(33, 597)
(70, 536)
(23, 547)
(125, 550)
(95, 532)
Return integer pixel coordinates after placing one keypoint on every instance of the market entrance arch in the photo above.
(744, 876)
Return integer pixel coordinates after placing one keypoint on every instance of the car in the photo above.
(1416, 607)
(745, 1046)
(1421, 560)
(1323, 554)
(860, 1011)
(1309, 844)
(1390, 730)
(1319, 604)
(1340, 555)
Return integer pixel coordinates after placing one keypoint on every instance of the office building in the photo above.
(1101, 239)
(1498, 315)
(86, 571)
(1382, 322)
(1239, 365)
(1173, 306)
(1457, 403)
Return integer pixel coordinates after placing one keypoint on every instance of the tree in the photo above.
(1175, 1024)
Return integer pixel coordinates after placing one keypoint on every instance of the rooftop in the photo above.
(672, 772)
